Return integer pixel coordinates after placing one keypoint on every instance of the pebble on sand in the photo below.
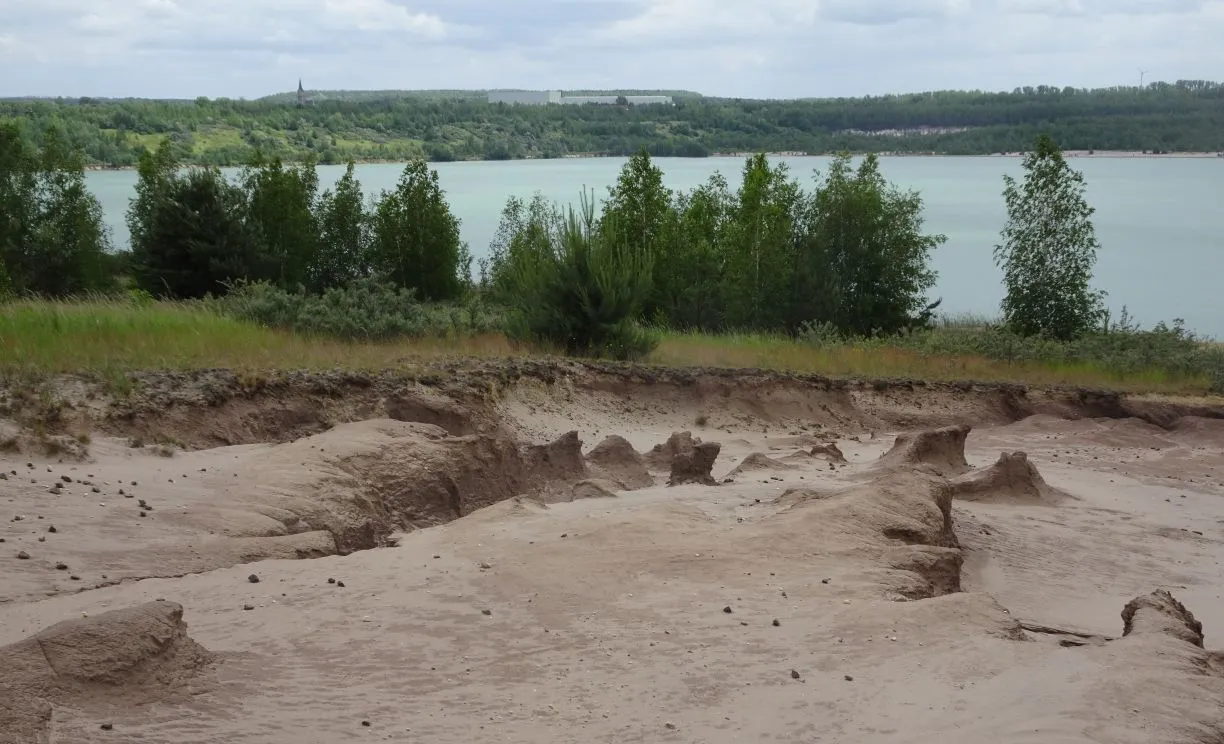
(253, 579)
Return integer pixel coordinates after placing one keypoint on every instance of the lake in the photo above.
(1159, 220)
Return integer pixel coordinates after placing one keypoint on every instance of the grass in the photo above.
(110, 336)
(874, 359)
(104, 336)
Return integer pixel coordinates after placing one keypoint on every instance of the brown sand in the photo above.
(518, 591)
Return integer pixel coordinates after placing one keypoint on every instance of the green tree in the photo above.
(760, 245)
(570, 285)
(281, 212)
(688, 271)
(344, 234)
(190, 236)
(1048, 248)
(53, 240)
(862, 260)
(639, 208)
(415, 240)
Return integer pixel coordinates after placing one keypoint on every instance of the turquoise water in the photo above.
(1160, 220)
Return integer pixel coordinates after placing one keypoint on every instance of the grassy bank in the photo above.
(111, 336)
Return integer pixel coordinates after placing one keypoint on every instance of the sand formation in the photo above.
(940, 450)
(619, 462)
(1012, 479)
(127, 657)
(682, 612)
(758, 462)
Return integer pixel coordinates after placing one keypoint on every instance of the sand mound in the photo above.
(363, 481)
(616, 458)
(131, 656)
(758, 461)
(830, 451)
(941, 450)
(694, 465)
(900, 524)
(1159, 612)
(1012, 479)
(594, 489)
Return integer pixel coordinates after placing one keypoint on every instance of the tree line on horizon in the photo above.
(1160, 117)
(848, 258)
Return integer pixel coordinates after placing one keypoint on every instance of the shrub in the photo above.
(571, 285)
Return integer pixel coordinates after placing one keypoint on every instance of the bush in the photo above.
(364, 310)
(573, 285)
(1123, 349)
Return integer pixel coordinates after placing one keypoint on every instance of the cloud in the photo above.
(757, 48)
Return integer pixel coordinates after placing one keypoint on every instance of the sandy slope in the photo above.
(912, 603)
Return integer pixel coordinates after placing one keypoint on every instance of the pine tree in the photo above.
(415, 242)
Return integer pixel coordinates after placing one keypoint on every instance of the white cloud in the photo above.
(764, 48)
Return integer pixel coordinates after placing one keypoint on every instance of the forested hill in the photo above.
(1187, 116)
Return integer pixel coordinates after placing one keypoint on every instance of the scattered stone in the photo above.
(61, 567)
(107, 726)
(824, 581)
(74, 577)
(484, 566)
(52, 529)
(253, 579)
(65, 479)
(42, 539)
(365, 723)
(776, 624)
(331, 581)
(18, 518)
(142, 514)
(248, 608)
(340, 584)
(795, 674)
(23, 556)
(848, 678)
(727, 610)
(95, 489)
(487, 612)
(669, 725)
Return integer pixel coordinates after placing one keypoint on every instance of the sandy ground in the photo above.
(910, 597)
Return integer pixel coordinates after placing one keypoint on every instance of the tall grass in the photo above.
(111, 335)
(102, 335)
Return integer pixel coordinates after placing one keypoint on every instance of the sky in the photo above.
(746, 48)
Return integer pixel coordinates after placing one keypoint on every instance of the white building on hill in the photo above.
(545, 97)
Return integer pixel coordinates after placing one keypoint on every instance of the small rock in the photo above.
(669, 725)
(487, 612)
(52, 529)
(848, 678)
(564, 534)
(777, 624)
(18, 518)
(125, 494)
(727, 610)
(23, 556)
(61, 567)
(485, 566)
(95, 489)
(142, 514)
(253, 579)
(65, 479)
(824, 581)
(42, 539)
(331, 581)
(107, 726)
(794, 674)
(74, 577)
(340, 584)
(248, 608)
(365, 723)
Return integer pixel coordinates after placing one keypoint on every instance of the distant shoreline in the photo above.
(1094, 154)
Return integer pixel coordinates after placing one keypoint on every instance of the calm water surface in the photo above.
(1159, 220)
